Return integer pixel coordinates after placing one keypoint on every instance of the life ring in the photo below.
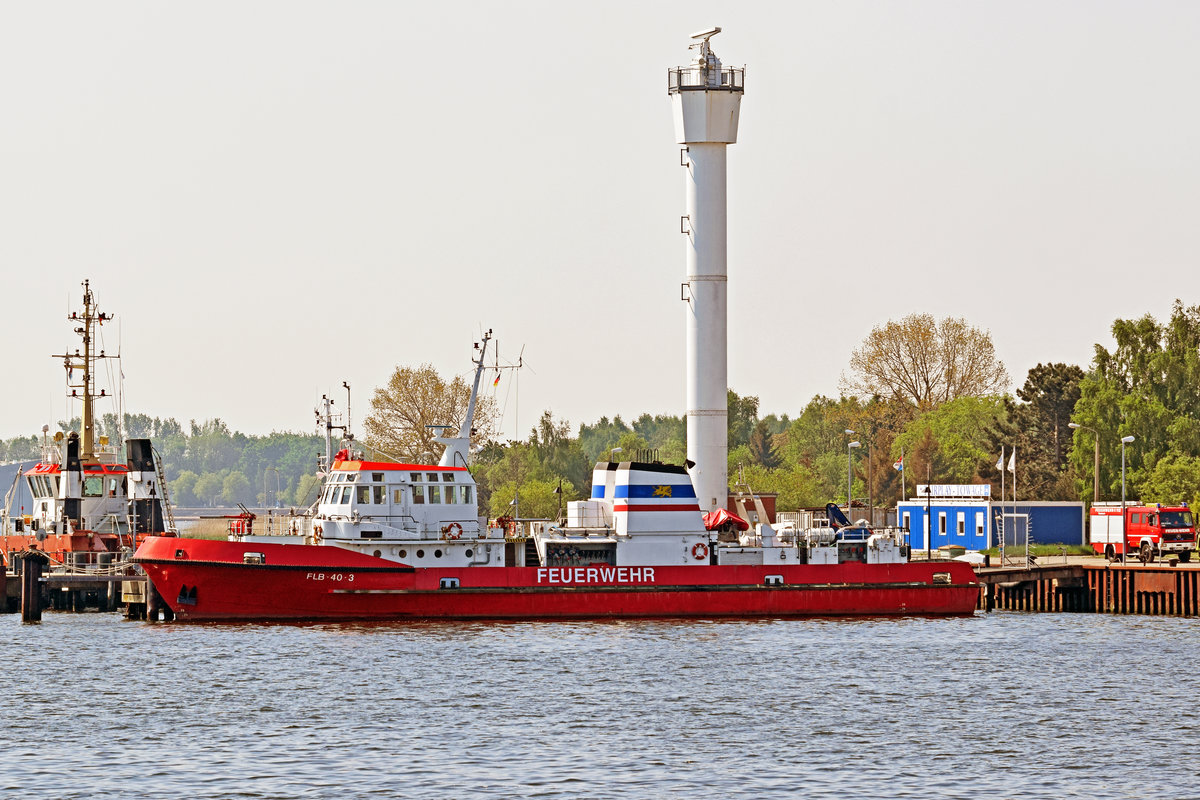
(699, 551)
(317, 534)
(453, 530)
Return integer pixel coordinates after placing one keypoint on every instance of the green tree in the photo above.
(762, 446)
(208, 488)
(236, 488)
(954, 438)
(1148, 387)
(1174, 479)
(307, 489)
(743, 415)
(182, 488)
(1037, 429)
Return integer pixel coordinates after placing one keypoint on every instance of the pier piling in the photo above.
(1156, 589)
(31, 585)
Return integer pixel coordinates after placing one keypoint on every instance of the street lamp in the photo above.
(1096, 466)
(613, 452)
(1124, 533)
(850, 475)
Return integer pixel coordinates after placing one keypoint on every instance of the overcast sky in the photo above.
(274, 197)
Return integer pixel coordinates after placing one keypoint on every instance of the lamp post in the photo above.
(1124, 534)
(1096, 465)
(612, 452)
(850, 476)
(928, 522)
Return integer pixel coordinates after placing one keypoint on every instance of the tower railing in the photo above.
(699, 79)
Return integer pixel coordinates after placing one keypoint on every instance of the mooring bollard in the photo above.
(31, 586)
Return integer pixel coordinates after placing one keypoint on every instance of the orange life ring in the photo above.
(453, 530)
(699, 551)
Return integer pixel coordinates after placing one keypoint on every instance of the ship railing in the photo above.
(93, 562)
(468, 528)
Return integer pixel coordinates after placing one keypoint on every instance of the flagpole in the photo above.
(1003, 497)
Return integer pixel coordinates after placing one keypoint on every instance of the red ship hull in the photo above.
(209, 580)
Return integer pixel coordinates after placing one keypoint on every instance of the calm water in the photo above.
(1004, 705)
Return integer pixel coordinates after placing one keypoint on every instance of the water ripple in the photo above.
(1002, 705)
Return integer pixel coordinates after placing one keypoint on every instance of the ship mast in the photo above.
(84, 362)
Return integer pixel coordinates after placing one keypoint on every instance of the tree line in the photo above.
(206, 464)
(929, 391)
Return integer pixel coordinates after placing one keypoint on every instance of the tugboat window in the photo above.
(465, 494)
(435, 494)
(93, 486)
(377, 477)
(437, 553)
(450, 495)
(397, 496)
(432, 477)
(448, 477)
(380, 494)
(364, 494)
(420, 554)
(418, 495)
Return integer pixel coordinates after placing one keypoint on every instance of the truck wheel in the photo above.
(1185, 556)
(1110, 553)
(1147, 554)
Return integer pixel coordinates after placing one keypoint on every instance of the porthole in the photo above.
(403, 553)
(470, 552)
(437, 553)
(378, 553)
(420, 554)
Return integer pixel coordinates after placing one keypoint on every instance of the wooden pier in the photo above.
(1099, 588)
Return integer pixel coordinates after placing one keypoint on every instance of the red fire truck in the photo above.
(1147, 530)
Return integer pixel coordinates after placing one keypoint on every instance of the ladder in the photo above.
(166, 497)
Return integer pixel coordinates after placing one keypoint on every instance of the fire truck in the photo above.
(1146, 530)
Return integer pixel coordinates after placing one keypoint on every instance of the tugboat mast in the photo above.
(83, 362)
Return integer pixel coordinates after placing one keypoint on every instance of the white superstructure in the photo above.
(706, 98)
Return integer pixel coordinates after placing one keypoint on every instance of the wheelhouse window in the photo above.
(397, 495)
(448, 477)
(346, 495)
(379, 495)
(432, 477)
(464, 494)
(377, 477)
(435, 494)
(364, 495)
(93, 486)
(418, 494)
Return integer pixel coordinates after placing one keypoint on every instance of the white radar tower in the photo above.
(706, 98)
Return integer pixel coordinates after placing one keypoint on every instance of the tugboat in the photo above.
(89, 504)
(392, 541)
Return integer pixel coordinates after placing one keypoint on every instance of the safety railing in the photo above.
(699, 79)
